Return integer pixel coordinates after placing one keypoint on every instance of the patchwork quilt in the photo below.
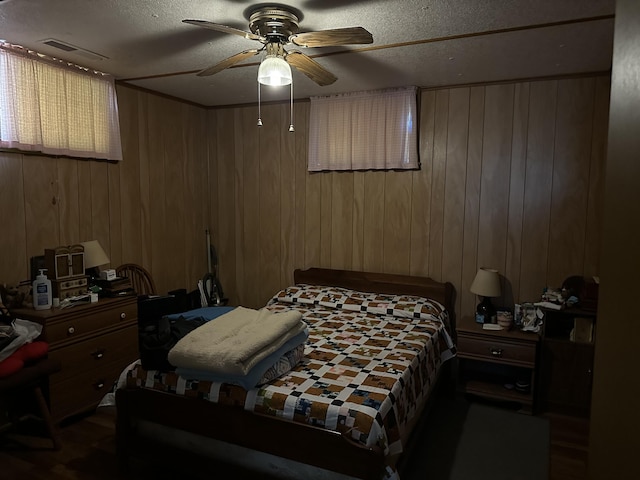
(369, 364)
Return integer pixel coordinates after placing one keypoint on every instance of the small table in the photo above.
(498, 364)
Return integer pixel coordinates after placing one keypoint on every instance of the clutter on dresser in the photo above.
(528, 317)
(505, 319)
(65, 267)
(65, 261)
(14, 296)
(75, 300)
(108, 274)
(115, 287)
(576, 292)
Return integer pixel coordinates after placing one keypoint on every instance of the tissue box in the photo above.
(108, 274)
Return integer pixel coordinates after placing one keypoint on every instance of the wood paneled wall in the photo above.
(511, 178)
(149, 209)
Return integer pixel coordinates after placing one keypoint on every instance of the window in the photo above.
(364, 130)
(53, 107)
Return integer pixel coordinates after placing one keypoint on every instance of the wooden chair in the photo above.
(141, 280)
(30, 379)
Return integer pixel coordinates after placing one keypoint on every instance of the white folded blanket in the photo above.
(234, 342)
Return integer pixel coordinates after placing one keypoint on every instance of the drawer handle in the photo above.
(495, 352)
(71, 330)
(98, 354)
(99, 385)
(123, 315)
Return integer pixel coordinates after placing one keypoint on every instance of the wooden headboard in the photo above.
(379, 283)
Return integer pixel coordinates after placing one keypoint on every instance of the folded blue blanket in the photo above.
(251, 379)
(208, 313)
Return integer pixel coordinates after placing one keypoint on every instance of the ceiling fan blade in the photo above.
(227, 62)
(331, 38)
(310, 68)
(224, 29)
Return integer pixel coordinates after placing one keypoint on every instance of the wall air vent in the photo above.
(67, 47)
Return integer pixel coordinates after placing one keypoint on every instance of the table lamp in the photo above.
(486, 285)
(94, 257)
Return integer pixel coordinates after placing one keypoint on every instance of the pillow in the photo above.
(404, 306)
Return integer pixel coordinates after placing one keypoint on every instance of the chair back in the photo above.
(141, 280)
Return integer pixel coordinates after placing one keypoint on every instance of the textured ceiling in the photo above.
(426, 43)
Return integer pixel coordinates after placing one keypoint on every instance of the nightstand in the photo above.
(93, 342)
(498, 364)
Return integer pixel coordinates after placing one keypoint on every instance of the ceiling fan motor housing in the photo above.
(275, 24)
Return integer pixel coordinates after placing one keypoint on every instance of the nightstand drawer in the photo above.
(497, 350)
(92, 322)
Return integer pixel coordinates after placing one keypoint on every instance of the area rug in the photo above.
(463, 440)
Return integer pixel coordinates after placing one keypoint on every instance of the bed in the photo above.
(375, 353)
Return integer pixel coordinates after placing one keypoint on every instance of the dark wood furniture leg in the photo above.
(30, 379)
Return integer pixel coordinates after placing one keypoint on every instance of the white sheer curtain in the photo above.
(364, 130)
(55, 108)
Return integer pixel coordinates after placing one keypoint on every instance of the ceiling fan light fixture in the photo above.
(274, 71)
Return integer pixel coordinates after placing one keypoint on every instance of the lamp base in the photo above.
(93, 273)
(486, 312)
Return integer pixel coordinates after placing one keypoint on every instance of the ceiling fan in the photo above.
(278, 26)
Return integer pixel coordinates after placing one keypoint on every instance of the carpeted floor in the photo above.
(472, 440)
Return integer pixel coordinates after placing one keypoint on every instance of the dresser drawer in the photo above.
(83, 392)
(94, 354)
(93, 321)
(497, 350)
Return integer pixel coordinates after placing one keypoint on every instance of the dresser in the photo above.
(498, 364)
(93, 342)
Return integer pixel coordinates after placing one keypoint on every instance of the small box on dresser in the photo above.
(94, 342)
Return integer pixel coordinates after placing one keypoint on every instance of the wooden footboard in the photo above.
(294, 441)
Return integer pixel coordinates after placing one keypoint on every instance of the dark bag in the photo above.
(156, 339)
(7, 333)
(7, 336)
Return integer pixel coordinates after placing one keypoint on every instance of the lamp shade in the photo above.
(274, 71)
(94, 254)
(486, 283)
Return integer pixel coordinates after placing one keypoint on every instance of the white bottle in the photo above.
(42, 292)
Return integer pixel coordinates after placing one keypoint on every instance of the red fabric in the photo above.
(10, 365)
(32, 351)
(26, 353)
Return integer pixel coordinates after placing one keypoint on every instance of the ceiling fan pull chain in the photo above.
(259, 115)
(291, 129)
